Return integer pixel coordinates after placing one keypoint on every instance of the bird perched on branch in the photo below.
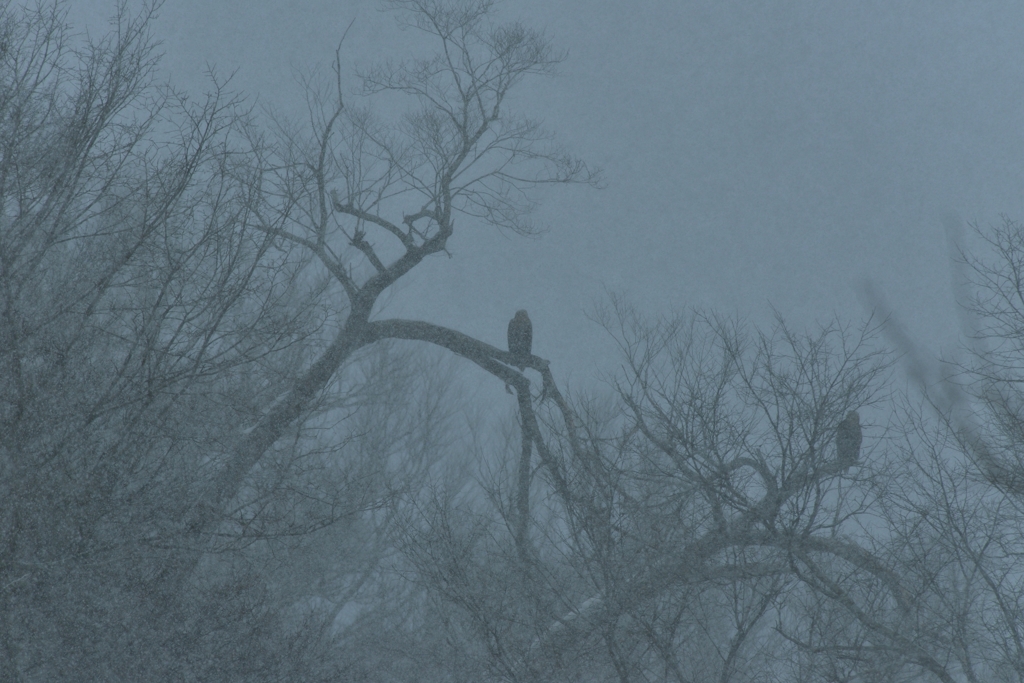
(848, 438)
(520, 338)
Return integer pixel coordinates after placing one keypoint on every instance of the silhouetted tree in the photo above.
(192, 386)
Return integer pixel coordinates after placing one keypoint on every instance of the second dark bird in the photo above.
(848, 438)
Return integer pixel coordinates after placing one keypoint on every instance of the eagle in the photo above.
(520, 338)
(848, 438)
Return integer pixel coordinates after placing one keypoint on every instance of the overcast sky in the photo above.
(755, 154)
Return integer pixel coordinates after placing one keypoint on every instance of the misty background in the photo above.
(257, 416)
(754, 155)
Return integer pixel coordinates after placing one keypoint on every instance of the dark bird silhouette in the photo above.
(848, 438)
(520, 338)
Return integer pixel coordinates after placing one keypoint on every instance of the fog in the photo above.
(780, 155)
(261, 417)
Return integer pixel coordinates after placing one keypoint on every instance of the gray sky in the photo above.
(776, 153)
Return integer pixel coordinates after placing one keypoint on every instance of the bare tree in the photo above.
(140, 322)
(958, 512)
(180, 295)
(459, 152)
(665, 531)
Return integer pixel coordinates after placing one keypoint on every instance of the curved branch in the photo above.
(494, 361)
(862, 559)
(490, 358)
